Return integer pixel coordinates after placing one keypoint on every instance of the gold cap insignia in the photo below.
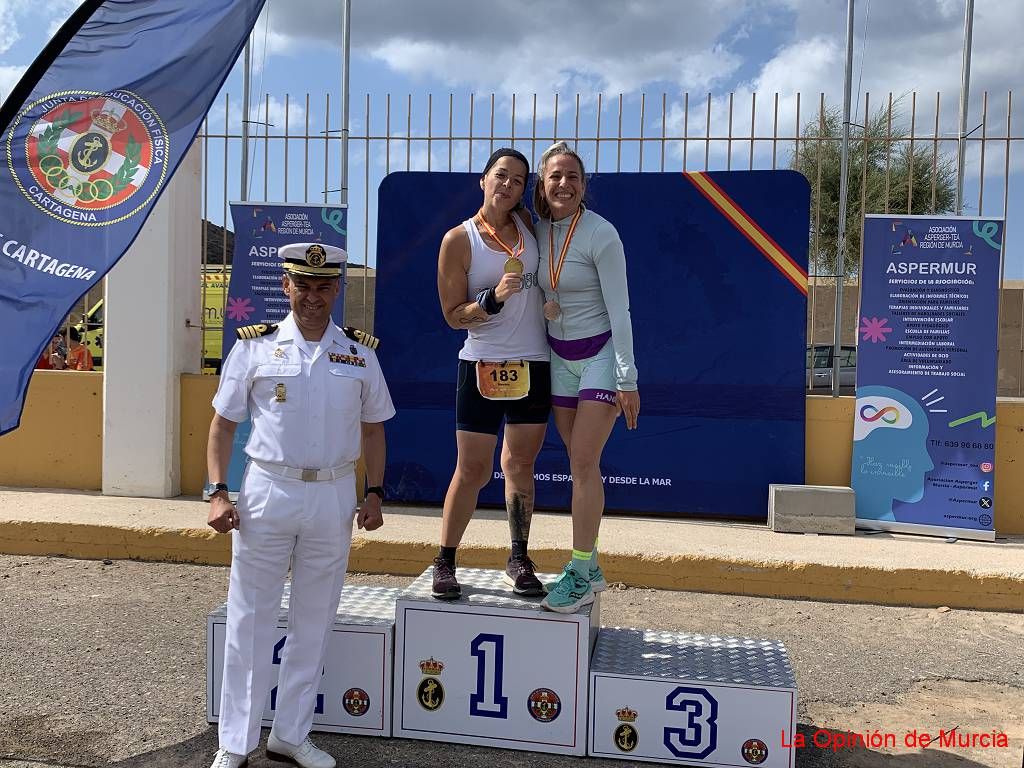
(316, 256)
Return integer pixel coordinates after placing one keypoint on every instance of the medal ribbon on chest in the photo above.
(555, 271)
(515, 252)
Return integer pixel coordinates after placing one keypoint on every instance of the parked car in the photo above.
(819, 369)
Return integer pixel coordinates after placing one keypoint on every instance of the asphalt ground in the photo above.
(104, 665)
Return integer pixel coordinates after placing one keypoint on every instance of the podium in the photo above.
(492, 668)
(355, 692)
(689, 699)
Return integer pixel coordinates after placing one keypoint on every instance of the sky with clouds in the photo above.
(590, 46)
(721, 47)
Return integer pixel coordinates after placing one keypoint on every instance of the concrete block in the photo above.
(811, 509)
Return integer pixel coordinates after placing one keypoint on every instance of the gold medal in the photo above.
(280, 393)
(514, 263)
(552, 310)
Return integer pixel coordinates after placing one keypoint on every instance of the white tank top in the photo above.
(518, 331)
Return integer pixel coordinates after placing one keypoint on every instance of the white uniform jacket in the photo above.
(306, 399)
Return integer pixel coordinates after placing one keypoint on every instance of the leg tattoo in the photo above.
(520, 513)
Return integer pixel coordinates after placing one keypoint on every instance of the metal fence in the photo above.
(905, 148)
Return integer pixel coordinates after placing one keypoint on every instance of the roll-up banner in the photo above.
(924, 425)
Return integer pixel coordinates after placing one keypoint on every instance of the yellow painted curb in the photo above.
(96, 542)
(768, 578)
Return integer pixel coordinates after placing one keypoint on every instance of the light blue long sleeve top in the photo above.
(592, 290)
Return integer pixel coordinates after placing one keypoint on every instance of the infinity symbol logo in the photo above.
(889, 414)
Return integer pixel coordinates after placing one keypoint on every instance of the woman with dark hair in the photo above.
(593, 375)
(487, 284)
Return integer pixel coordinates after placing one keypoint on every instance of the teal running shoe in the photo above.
(569, 593)
(597, 582)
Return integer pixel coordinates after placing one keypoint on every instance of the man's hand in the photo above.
(370, 517)
(223, 516)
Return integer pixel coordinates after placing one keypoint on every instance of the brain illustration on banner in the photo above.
(891, 431)
(716, 267)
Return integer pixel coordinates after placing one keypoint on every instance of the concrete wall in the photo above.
(60, 441)
(196, 412)
(359, 298)
(59, 444)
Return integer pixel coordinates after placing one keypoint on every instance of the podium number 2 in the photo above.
(699, 737)
(487, 701)
(278, 647)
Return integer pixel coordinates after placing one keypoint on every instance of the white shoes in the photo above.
(225, 759)
(305, 755)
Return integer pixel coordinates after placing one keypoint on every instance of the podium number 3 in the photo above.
(699, 737)
(487, 701)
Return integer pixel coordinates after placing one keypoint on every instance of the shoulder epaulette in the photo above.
(255, 331)
(361, 336)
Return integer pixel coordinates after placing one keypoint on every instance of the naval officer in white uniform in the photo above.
(314, 391)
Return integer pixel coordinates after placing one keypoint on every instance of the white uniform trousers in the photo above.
(308, 524)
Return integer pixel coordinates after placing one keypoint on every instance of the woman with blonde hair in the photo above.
(593, 374)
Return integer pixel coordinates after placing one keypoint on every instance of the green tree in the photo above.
(900, 179)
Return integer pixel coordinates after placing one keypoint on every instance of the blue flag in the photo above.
(90, 138)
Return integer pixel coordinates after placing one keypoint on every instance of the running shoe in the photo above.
(446, 586)
(569, 593)
(520, 574)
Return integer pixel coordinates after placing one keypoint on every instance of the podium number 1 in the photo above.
(489, 651)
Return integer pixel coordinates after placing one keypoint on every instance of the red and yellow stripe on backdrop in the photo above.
(749, 228)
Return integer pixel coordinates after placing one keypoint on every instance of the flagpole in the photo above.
(346, 32)
(844, 171)
(965, 89)
(246, 87)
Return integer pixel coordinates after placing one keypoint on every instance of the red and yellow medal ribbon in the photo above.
(749, 228)
(555, 271)
(516, 251)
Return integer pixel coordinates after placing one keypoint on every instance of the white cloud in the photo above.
(9, 77)
(9, 33)
(586, 46)
(48, 13)
(258, 111)
(807, 66)
(59, 11)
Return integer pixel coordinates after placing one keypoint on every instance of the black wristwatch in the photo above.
(375, 489)
(211, 488)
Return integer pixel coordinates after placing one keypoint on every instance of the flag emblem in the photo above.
(356, 702)
(87, 158)
(544, 705)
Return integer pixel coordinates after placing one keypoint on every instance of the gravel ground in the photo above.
(104, 664)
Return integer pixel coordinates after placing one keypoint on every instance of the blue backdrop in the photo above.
(719, 340)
